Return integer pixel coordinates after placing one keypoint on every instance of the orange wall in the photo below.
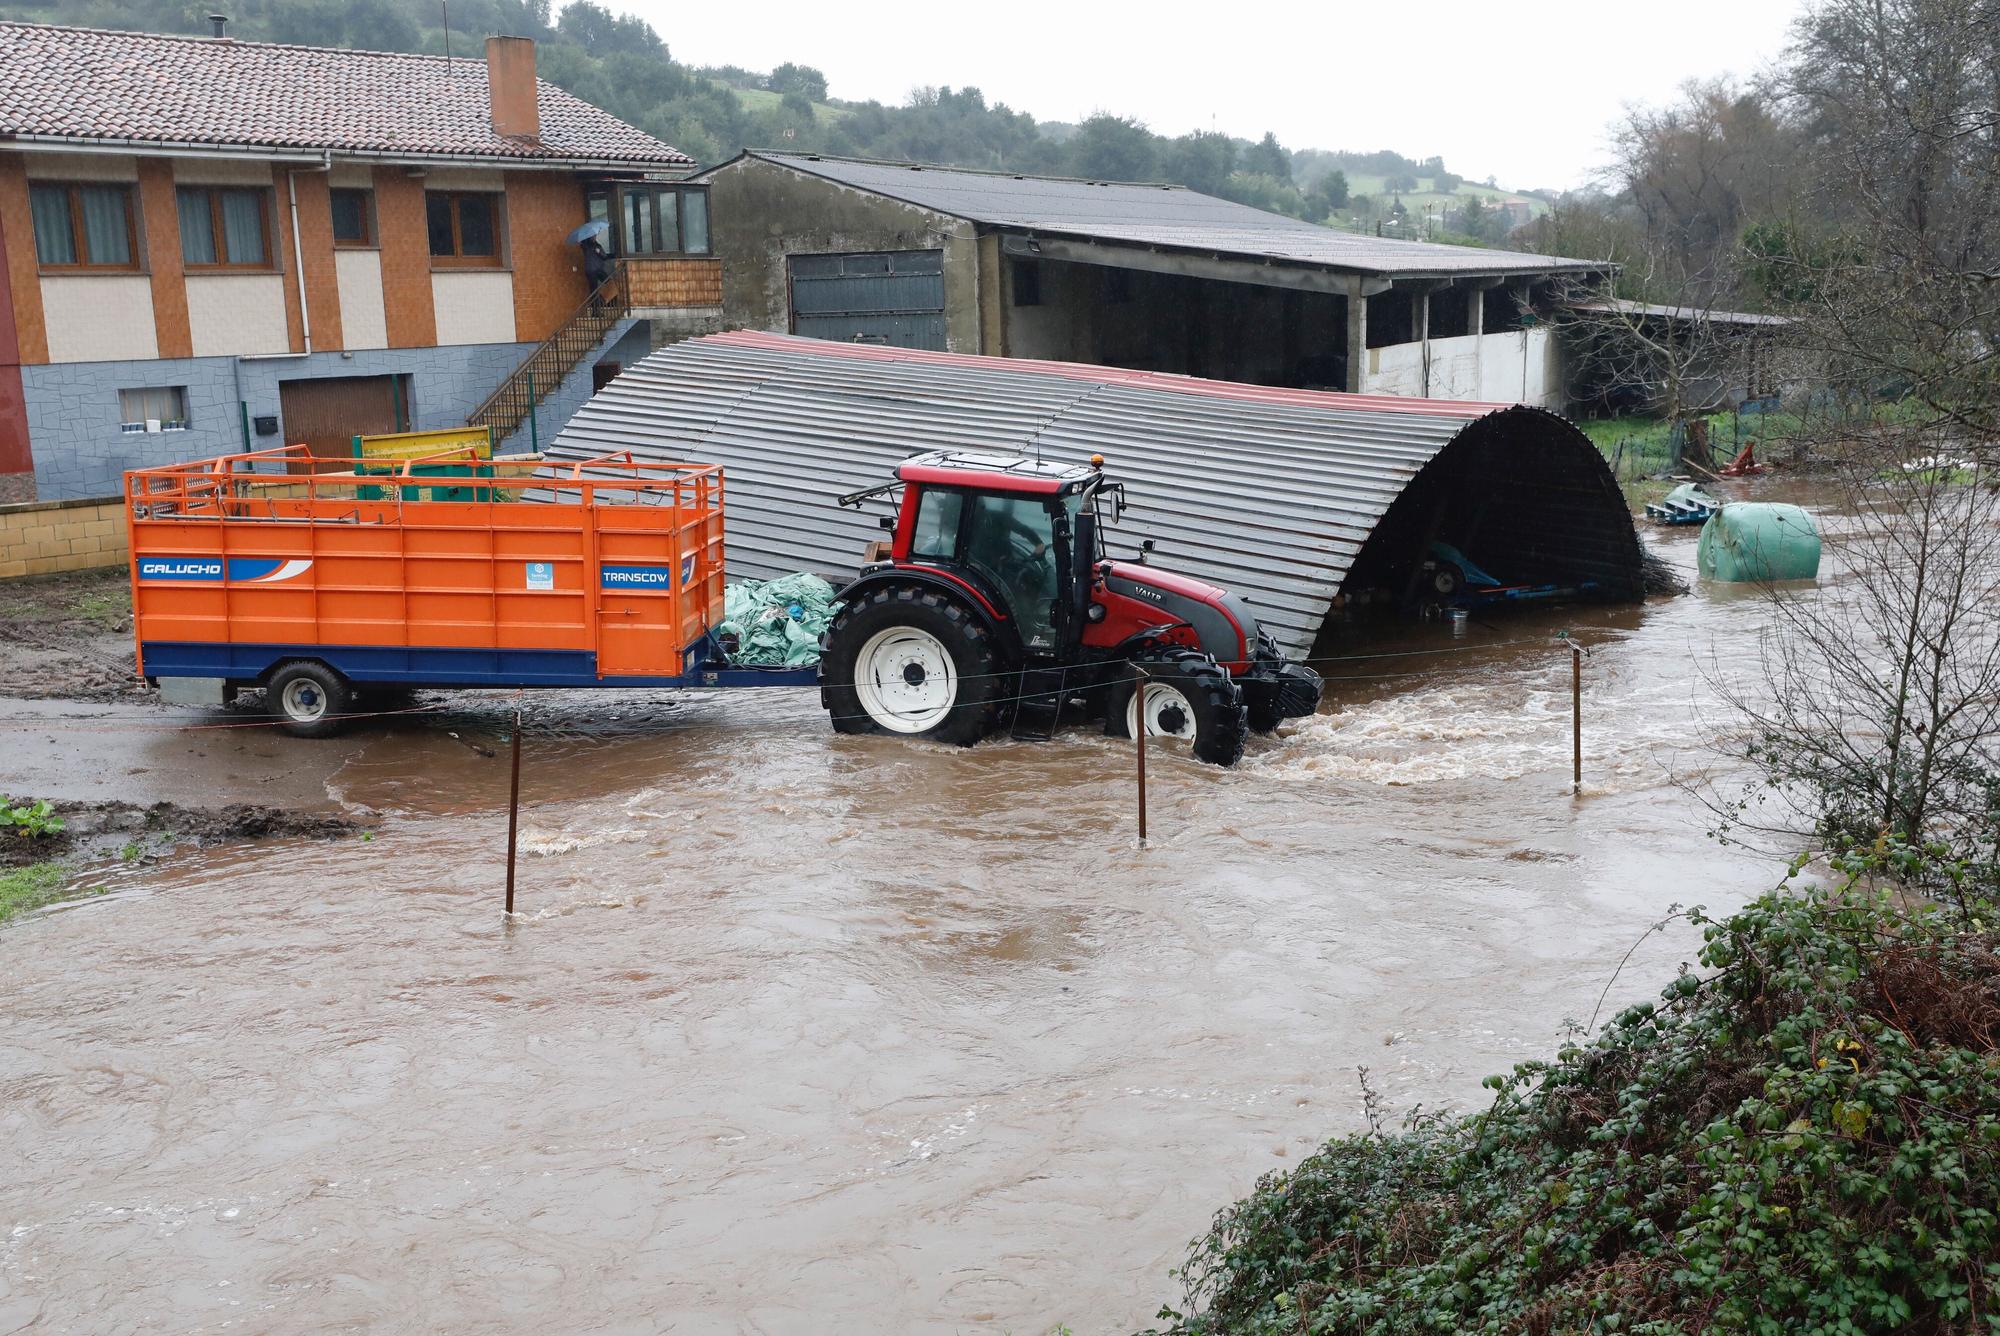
(17, 236)
(407, 305)
(316, 234)
(160, 223)
(542, 207)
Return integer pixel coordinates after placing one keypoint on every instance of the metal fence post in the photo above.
(1139, 732)
(513, 809)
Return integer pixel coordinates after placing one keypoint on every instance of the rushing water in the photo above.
(798, 1032)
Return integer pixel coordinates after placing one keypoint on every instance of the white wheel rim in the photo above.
(1168, 713)
(906, 680)
(304, 700)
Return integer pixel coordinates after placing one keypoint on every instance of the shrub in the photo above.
(1804, 1137)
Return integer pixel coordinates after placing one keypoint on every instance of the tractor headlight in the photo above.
(1096, 613)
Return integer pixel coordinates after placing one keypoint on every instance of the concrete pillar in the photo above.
(1357, 334)
(1475, 313)
(1420, 331)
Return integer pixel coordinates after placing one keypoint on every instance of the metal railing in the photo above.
(515, 401)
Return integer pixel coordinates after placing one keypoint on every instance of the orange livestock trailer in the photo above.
(264, 569)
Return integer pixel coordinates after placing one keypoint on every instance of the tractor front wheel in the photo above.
(1189, 698)
(910, 661)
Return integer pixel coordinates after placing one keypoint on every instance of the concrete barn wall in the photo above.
(1522, 366)
(760, 213)
(1164, 322)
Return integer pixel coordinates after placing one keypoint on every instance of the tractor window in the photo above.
(1011, 541)
(936, 533)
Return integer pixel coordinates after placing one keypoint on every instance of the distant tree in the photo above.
(804, 80)
(600, 32)
(1474, 218)
(1401, 181)
(1329, 194)
(1265, 192)
(1113, 148)
(798, 111)
(1267, 157)
(1201, 161)
(1446, 183)
(1700, 167)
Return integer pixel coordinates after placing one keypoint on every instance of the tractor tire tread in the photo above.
(970, 643)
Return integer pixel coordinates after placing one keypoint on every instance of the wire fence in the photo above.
(1640, 447)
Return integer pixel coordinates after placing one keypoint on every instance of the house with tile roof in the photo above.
(213, 245)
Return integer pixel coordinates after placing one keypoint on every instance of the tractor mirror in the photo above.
(887, 522)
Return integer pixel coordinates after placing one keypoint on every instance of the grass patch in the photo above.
(760, 100)
(100, 597)
(23, 889)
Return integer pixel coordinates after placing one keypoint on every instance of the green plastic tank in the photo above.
(1759, 541)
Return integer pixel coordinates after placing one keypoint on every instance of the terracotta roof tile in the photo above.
(95, 84)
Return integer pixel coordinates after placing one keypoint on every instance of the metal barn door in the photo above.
(329, 412)
(887, 297)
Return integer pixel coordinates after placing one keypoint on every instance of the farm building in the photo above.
(1147, 277)
(1299, 500)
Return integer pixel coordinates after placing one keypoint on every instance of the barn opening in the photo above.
(1520, 498)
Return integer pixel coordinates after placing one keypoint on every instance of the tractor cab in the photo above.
(1010, 528)
(996, 572)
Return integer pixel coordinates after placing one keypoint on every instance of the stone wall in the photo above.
(73, 417)
(43, 537)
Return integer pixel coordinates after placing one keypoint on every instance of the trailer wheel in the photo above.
(309, 697)
(909, 661)
(1190, 699)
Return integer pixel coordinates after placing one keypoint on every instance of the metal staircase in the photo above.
(554, 358)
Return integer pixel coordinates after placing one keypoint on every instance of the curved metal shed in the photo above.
(1287, 497)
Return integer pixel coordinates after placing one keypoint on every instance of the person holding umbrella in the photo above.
(596, 264)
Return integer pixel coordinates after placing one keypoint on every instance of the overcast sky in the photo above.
(1519, 89)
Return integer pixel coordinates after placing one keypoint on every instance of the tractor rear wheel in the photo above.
(907, 660)
(1189, 699)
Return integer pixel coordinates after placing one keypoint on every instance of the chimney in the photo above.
(510, 79)
(218, 22)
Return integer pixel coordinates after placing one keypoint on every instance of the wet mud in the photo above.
(101, 830)
(803, 1033)
(68, 637)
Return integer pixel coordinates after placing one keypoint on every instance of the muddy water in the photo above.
(806, 1033)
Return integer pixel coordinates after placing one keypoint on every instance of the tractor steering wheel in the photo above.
(1028, 565)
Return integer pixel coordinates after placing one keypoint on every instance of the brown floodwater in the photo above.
(804, 1033)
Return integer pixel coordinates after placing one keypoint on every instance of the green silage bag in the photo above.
(777, 623)
(1759, 542)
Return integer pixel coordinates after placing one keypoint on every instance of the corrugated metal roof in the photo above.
(1268, 492)
(1158, 215)
(1692, 314)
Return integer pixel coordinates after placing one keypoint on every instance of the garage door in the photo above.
(887, 297)
(327, 413)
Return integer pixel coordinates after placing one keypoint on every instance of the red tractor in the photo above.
(995, 602)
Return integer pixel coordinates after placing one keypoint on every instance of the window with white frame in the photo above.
(153, 408)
